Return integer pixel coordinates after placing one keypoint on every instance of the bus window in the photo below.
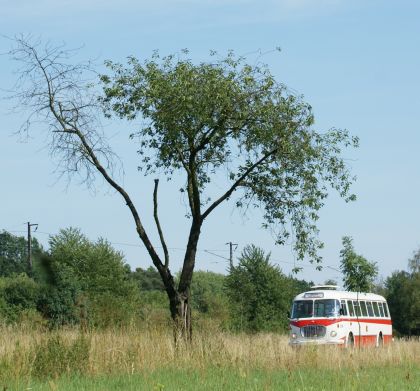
(343, 307)
(381, 309)
(369, 308)
(356, 307)
(303, 309)
(376, 309)
(363, 308)
(350, 305)
(386, 310)
(326, 308)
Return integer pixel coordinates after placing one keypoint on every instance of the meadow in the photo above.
(132, 359)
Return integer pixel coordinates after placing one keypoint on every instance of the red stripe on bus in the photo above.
(328, 322)
(367, 340)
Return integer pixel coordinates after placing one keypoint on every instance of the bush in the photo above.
(18, 294)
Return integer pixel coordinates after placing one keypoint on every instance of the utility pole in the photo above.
(30, 244)
(231, 252)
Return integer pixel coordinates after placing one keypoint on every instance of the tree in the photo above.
(195, 121)
(207, 289)
(398, 298)
(148, 280)
(96, 266)
(86, 281)
(403, 296)
(330, 282)
(259, 293)
(358, 272)
(14, 254)
(414, 263)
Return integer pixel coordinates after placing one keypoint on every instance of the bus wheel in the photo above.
(380, 340)
(350, 341)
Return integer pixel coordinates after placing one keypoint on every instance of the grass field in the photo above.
(147, 360)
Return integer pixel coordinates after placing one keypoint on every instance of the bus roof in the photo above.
(334, 294)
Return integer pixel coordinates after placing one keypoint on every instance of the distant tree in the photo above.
(358, 272)
(258, 292)
(84, 278)
(195, 121)
(379, 287)
(403, 296)
(148, 279)
(414, 263)
(14, 254)
(97, 266)
(398, 297)
(330, 282)
(208, 292)
(299, 286)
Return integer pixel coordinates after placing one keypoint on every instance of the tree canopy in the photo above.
(14, 254)
(228, 116)
(358, 272)
(259, 293)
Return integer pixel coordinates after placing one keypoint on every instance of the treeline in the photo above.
(88, 284)
(80, 282)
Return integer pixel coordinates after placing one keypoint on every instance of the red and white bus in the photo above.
(326, 315)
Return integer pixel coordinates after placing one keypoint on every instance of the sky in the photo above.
(356, 62)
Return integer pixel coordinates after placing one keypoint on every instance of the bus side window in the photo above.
(350, 305)
(369, 308)
(363, 307)
(343, 308)
(381, 309)
(356, 307)
(386, 310)
(375, 308)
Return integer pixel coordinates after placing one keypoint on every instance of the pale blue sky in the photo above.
(356, 62)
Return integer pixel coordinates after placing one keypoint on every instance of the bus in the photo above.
(327, 315)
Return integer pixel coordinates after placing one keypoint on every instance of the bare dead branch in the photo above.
(155, 215)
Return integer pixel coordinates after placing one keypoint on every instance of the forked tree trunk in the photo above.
(180, 297)
(180, 307)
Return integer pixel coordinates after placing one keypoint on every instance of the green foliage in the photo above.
(403, 296)
(20, 291)
(414, 263)
(229, 115)
(93, 277)
(107, 310)
(208, 294)
(14, 254)
(148, 279)
(358, 272)
(233, 378)
(398, 297)
(18, 294)
(86, 282)
(54, 357)
(259, 293)
(96, 266)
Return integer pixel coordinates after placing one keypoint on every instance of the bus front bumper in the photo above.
(313, 341)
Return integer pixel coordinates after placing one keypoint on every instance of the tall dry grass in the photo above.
(27, 353)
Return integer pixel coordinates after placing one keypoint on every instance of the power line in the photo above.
(208, 251)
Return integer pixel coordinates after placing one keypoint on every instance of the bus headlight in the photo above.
(333, 333)
(294, 336)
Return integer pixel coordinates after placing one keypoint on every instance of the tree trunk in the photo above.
(180, 307)
(180, 298)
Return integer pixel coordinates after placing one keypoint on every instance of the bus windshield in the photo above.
(322, 308)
